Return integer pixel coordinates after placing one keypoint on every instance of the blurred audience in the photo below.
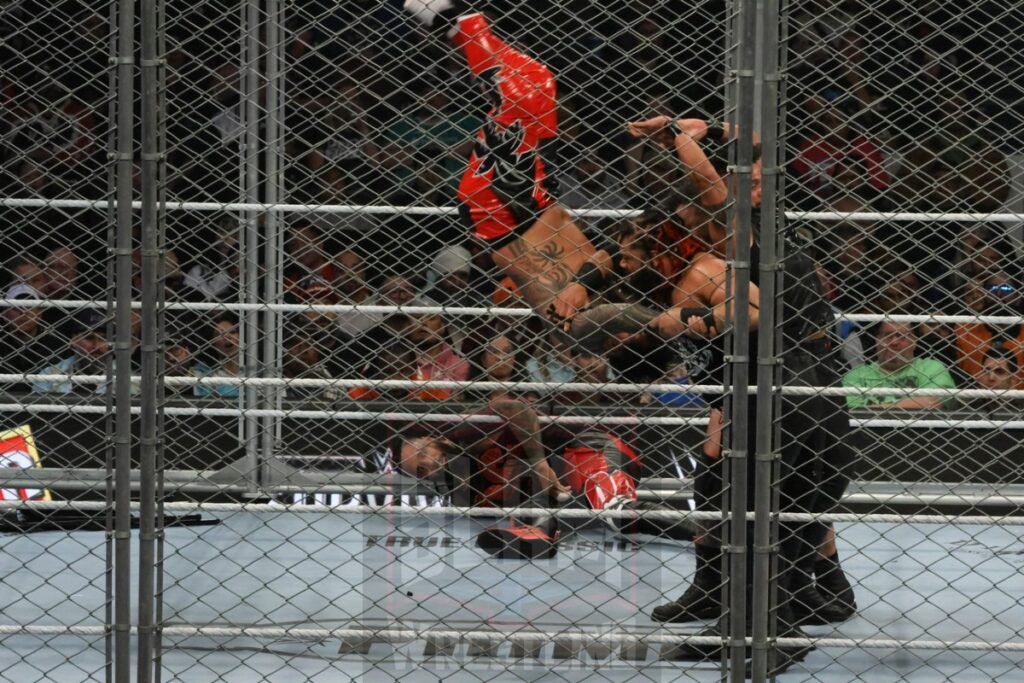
(834, 160)
(900, 291)
(25, 342)
(350, 286)
(910, 120)
(215, 275)
(1001, 296)
(87, 354)
(435, 358)
(551, 362)
(592, 185)
(850, 260)
(222, 358)
(398, 290)
(310, 273)
(304, 358)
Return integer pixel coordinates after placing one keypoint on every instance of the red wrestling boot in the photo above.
(606, 486)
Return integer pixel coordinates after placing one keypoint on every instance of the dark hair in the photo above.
(480, 339)
(999, 352)
(646, 359)
(223, 317)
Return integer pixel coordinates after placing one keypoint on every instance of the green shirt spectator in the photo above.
(898, 368)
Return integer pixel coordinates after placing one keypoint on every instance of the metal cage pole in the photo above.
(123, 344)
(151, 348)
(272, 335)
(766, 446)
(728, 376)
(161, 227)
(250, 330)
(113, 171)
(740, 187)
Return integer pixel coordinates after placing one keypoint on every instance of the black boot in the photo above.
(806, 602)
(810, 608)
(784, 655)
(834, 587)
(702, 600)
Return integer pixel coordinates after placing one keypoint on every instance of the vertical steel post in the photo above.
(272, 340)
(151, 257)
(250, 330)
(123, 344)
(740, 187)
(767, 365)
(109, 426)
(161, 226)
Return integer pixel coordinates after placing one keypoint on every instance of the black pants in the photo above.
(814, 466)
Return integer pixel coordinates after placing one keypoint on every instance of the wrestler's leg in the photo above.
(702, 599)
(597, 467)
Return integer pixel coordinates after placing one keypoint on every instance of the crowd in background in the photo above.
(890, 107)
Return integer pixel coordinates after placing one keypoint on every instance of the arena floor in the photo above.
(346, 570)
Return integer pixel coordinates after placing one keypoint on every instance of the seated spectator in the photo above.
(850, 265)
(87, 355)
(223, 358)
(552, 362)
(335, 135)
(354, 358)
(898, 367)
(444, 131)
(214, 277)
(25, 342)
(953, 165)
(1001, 296)
(978, 254)
(832, 146)
(449, 283)
(350, 287)
(304, 359)
(398, 290)
(448, 278)
(179, 361)
(209, 135)
(60, 268)
(435, 358)
(1000, 371)
(25, 270)
(938, 341)
(393, 359)
(497, 359)
(310, 273)
(900, 291)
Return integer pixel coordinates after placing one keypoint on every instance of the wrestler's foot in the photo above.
(699, 602)
(601, 328)
(811, 608)
(435, 14)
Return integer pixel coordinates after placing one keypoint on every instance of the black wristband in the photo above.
(591, 277)
(673, 128)
(705, 314)
(716, 131)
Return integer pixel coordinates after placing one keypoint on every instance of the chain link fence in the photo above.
(730, 391)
